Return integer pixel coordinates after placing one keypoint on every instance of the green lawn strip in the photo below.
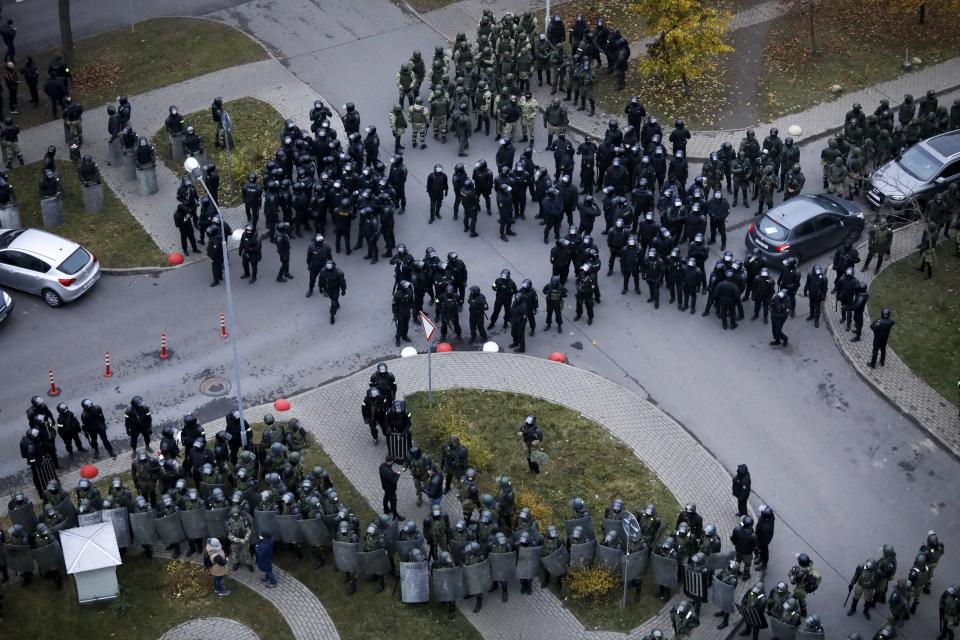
(352, 614)
(124, 62)
(584, 460)
(256, 131)
(617, 14)
(927, 313)
(113, 234)
(147, 607)
(861, 45)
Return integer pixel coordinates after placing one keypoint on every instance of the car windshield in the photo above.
(77, 260)
(9, 237)
(771, 229)
(831, 207)
(919, 163)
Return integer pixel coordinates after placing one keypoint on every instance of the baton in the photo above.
(849, 591)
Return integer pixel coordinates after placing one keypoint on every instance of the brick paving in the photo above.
(823, 119)
(266, 80)
(910, 394)
(210, 629)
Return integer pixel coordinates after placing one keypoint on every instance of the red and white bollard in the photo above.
(163, 347)
(54, 390)
(223, 327)
(106, 365)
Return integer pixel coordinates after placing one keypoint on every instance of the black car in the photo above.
(804, 227)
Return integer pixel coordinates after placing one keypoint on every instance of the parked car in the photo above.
(47, 265)
(921, 172)
(804, 226)
(6, 305)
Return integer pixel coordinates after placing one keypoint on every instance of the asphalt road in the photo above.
(842, 469)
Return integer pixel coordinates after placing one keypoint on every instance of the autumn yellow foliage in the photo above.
(591, 583)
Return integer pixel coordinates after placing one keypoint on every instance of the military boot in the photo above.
(853, 607)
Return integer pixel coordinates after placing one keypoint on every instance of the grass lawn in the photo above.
(584, 460)
(423, 6)
(124, 62)
(154, 597)
(618, 14)
(861, 43)
(927, 313)
(256, 136)
(113, 234)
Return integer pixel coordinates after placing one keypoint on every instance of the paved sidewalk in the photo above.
(267, 80)
(910, 394)
(823, 119)
(210, 629)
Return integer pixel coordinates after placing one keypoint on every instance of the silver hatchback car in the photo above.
(47, 265)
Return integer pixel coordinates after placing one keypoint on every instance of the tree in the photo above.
(811, 7)
(686, 35)
(66, 31)
(939, 9)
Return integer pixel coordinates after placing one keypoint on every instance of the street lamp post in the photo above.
(192, 165)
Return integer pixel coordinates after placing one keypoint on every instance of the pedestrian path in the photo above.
(820, 120)
(266, 80)
(300, 608)
(210, 629)
(909, 393)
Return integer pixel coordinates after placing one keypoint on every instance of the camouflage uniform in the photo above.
(419, 118)
(528, 116)
(439, 110)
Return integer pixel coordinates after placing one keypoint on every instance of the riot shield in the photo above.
(503, 566)
(216, 521)
(414, 581)
(143, 526)
(404, 547)
(446, 584)
(371, 563)
(531, 530)
(782, 630)
(717, 561)
(456, 547)
(753, 616)
(695, 583)
(19, 558)
(345, 556)
(664, 571)
(556, 562)
(581, 555)
(121, 526)
(60, 526)
(24, 516)
(810, 635)
(586, 523)
(170, 529)
(194, 523)
(610, 524)
(67, 510)
(390, 536)
(528, 562)
(207, 489)
(315, 533)
(476, 578)
(635, 564)
(609, 558)
(85, 519)
(48, 558)
(285, 529)
(724, 595)
(265, 522)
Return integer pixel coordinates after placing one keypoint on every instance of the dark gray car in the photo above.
(804, 227)
(922, 171)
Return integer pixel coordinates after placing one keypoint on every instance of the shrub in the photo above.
(592, 583)
(444, 419)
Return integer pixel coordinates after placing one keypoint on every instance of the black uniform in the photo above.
(477, 306)
(779, 310)
(554, 294)
(653, 275)
(333, 285)
(505, 288)
(183, 219)
(694, 281)
(762, 293)
(69, 429)
(518, 323)
(815, 289)
(881, 333)
(586, 290)
(402, 310)
(138, 423)
(251, 251)
(95, 426)
(283, 250)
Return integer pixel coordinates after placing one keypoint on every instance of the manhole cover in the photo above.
(215, 386)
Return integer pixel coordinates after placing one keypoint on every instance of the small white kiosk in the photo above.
(91, 555)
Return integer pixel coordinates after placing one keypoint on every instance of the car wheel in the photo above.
(52, 298)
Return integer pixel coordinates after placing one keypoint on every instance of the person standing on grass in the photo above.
(216, 560)
(264, 552)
